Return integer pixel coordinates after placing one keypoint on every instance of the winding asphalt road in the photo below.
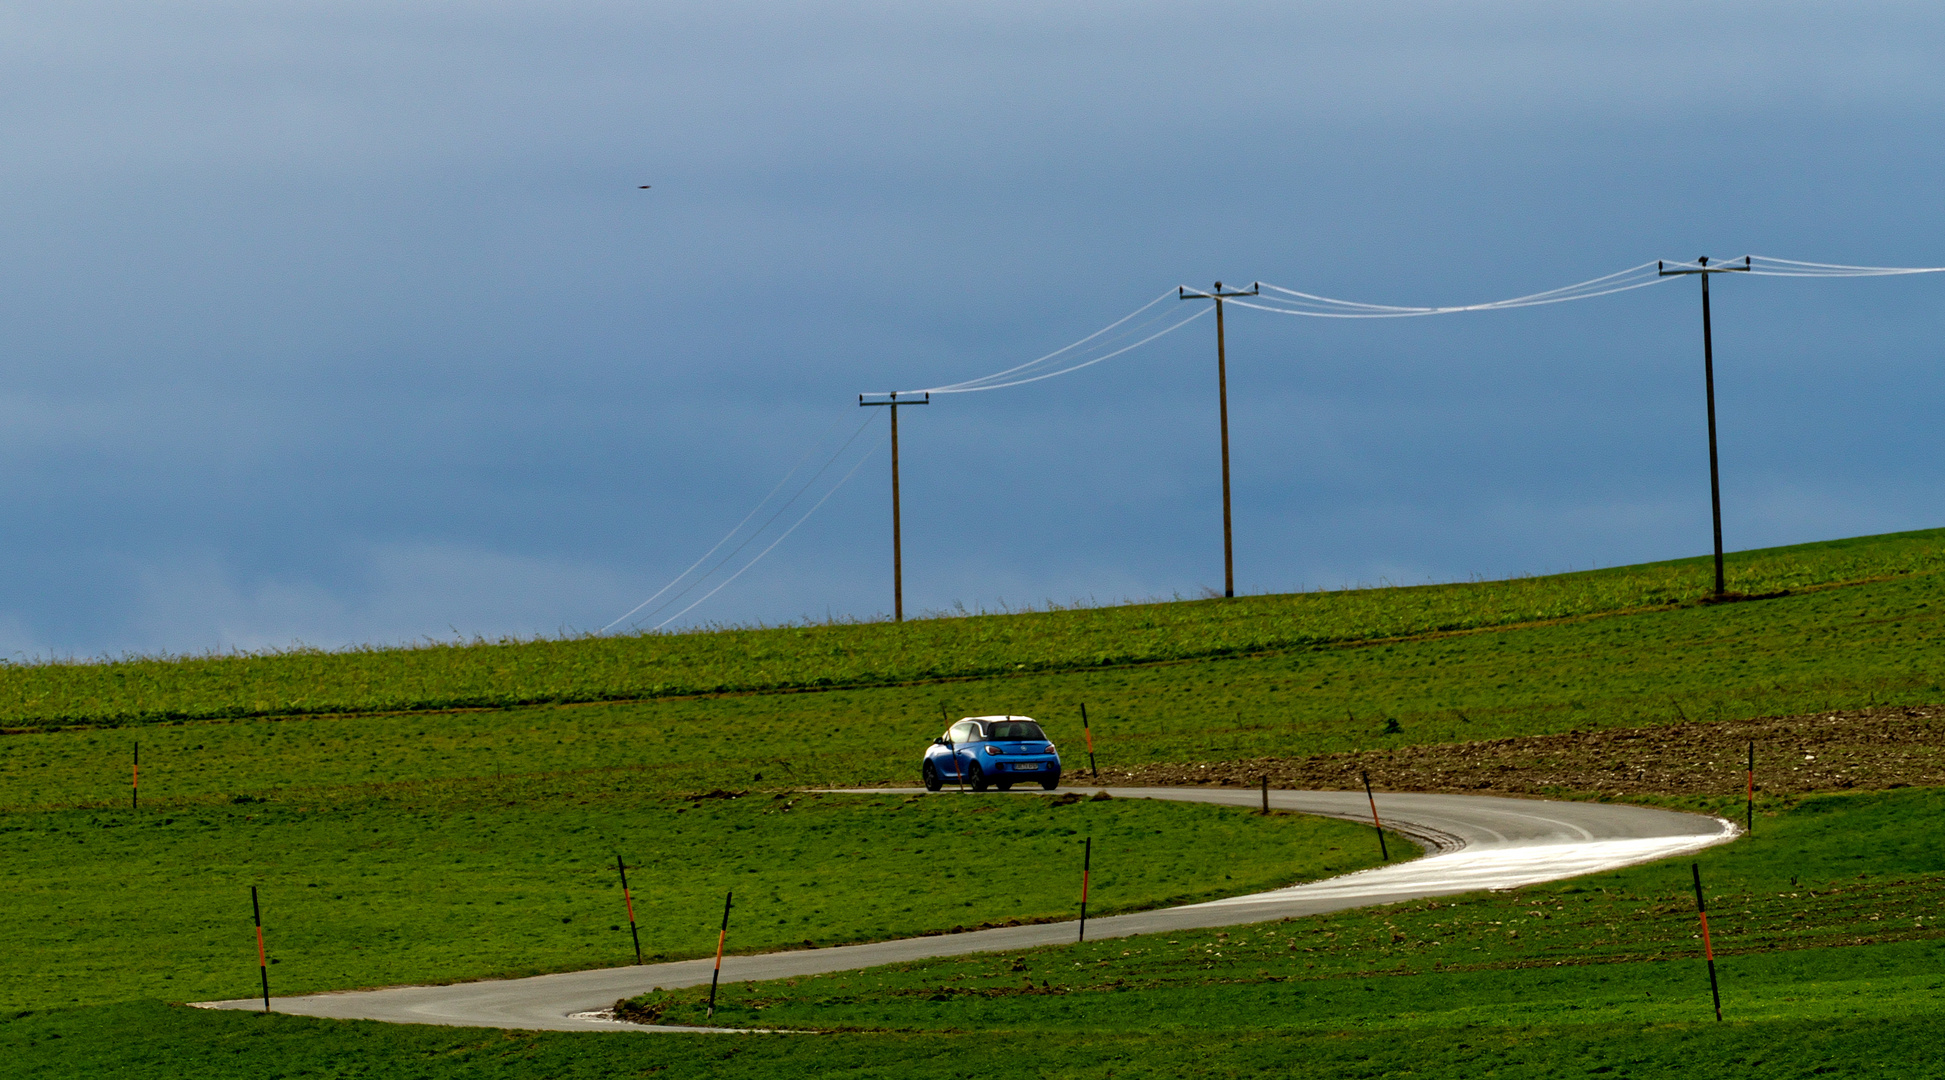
(1473, 842)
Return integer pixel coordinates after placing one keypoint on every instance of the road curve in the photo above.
(1473, 842)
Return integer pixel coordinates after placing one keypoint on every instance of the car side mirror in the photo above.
(941, 741)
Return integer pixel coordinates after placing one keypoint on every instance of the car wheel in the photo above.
(933, 781)
(976, 777)
(1050, 784)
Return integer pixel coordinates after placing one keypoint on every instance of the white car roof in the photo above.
(1029, 718)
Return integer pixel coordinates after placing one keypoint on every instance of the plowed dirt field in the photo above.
(1868, 749)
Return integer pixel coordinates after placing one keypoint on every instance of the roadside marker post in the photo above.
(1749, 812)
(721, 937)
(958, 772)
(630, 901)
(263, 962)
(135, 781)
(1089, 732)
(1266, 794)
(1087, 866)
(1708, 950)
(1375, 823)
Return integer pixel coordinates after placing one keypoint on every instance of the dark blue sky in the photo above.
(347, 322)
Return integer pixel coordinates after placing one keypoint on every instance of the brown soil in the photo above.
(1838, 751)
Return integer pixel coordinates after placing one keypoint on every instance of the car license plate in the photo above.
(1026, 766)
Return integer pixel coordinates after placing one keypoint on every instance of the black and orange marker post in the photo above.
(958, 770)
(1089, 732)
(1087, 866)
(1749, 813)
(1375, 823)
(135, 781)
(263, 962)
(1708, 950)
(720, 938)
(630, 901)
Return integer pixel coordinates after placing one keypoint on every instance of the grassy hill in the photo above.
(452, 812)
(1849, 642)
(503, 674)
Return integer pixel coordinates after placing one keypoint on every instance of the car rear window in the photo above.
(1024, 730)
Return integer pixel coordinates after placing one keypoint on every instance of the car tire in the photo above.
(1003, 785)
(975, 777)
(933, 781)
(1050, 784)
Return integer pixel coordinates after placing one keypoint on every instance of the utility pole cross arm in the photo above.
(1183, 292)
(1702, 267)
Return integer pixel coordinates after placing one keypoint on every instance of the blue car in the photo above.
(991, 751)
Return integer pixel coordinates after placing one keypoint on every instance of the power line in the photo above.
(1146, 323)
(1292, 302)
(1763, 265)
(751, 538)
(1063, 350)
(1125, 334)
(733, 530)
(773, 543)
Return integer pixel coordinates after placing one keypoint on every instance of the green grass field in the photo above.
(150, 1040)
(1790, 906)
(112, 905)
(497, 675)
(398, 839)
(1829, 965)
(1827, 969)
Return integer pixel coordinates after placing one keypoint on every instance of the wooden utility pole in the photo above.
(1222, 400)
(1702, 270)
(897, 544)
